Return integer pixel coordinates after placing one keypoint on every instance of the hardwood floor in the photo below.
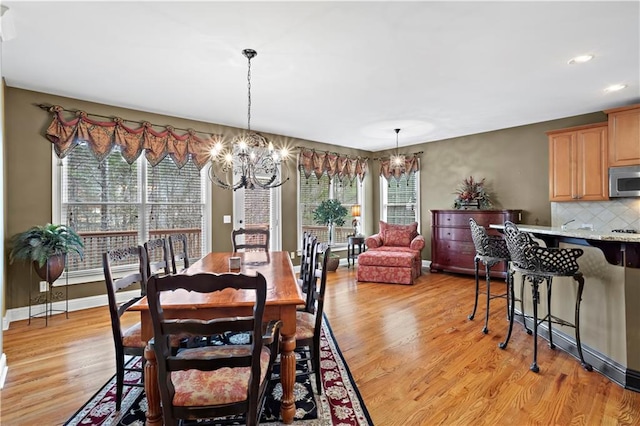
(415, 356)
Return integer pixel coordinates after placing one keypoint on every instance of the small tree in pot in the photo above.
(46, 248)
(330, 213)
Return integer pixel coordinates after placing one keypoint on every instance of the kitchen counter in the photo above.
(577, 233)
(619, 248)
(610, 318)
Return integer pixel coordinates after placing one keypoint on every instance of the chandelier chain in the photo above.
(249, 94)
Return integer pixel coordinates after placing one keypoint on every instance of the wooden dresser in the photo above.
(452, 248)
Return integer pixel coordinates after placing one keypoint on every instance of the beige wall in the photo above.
(514, 162)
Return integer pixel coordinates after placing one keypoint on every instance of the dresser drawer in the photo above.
(453, 234)
(449, 257)
(462, 219)
(461, 248)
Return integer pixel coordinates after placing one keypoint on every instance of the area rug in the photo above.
(340, 404)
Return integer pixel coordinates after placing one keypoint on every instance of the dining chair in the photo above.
(309, 320)
(250, 239)
(178, 252)
(307, 266)
(126, 341)
(213, 381)
(540, 265)
(157, 254)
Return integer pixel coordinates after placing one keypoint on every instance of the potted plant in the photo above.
(330, 213)
(472, 193)
(46, 247)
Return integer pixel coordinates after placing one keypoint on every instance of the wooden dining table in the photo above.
(283, 296)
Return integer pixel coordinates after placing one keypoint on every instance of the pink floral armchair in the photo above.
(394, 254)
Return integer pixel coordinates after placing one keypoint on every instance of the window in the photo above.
(313, 191)
(400, 203)
(113, 204)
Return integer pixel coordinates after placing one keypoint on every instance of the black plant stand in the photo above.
(46, 299)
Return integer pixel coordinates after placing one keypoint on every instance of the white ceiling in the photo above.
(344, 73)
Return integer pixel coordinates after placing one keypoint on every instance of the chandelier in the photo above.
(250, 162)
(397, 165)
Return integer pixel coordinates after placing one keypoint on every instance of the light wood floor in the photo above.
(413, 353)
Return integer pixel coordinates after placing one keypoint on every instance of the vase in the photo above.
(468, 205)
(332, 264)
(52, 269)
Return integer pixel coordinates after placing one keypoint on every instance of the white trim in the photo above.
(3, 369)
(207, 224)
(56, 187)
(22, 313)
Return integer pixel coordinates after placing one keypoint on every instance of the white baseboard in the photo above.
(22, 313)
(3, 369)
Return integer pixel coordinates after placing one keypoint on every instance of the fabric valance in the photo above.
(104, 136)
(342, 167)
(411, 165)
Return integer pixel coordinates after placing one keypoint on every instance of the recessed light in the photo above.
(615, 87)
(580, 59)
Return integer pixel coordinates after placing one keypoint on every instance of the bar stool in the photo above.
(490, 250)
(540, 264)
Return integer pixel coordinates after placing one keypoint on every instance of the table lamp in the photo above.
(355, 212)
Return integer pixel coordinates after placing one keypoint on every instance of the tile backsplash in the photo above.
(619, 213)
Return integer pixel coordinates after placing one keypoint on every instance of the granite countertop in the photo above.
(577, 233)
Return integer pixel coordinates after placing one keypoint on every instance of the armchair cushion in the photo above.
(398, 235)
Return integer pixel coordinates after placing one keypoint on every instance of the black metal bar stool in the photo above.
(491, 250)
(540, 264)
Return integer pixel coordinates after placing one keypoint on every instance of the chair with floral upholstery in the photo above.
(213, 381)
(394, 255)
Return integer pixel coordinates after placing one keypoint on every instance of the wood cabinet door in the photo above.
(562, 166)
(592, 173)
(578, 164)
(624, 138)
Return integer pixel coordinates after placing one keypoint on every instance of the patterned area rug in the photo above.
(340, 404)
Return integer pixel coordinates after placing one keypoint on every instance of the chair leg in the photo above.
(475, 304)
(485, 330)
(549, 283)
(315, 352)
(536, 296)
(524, 319)
(119, 379)
(580, 280)
(511, 306)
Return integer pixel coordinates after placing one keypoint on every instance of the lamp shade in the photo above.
(355, 210)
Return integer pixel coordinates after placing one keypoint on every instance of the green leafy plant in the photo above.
(330, 212)
(471, 191)
(39, 243)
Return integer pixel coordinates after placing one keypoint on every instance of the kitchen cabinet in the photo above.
(452, 247)
(578, 163)
(624, 136)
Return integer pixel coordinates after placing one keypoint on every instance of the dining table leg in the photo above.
(287, 377)
(154, 411)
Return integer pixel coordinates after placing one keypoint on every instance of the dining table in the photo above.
(283, 297)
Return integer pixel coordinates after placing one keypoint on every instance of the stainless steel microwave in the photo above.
(624, 181)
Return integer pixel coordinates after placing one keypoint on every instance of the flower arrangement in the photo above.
(472, 192)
